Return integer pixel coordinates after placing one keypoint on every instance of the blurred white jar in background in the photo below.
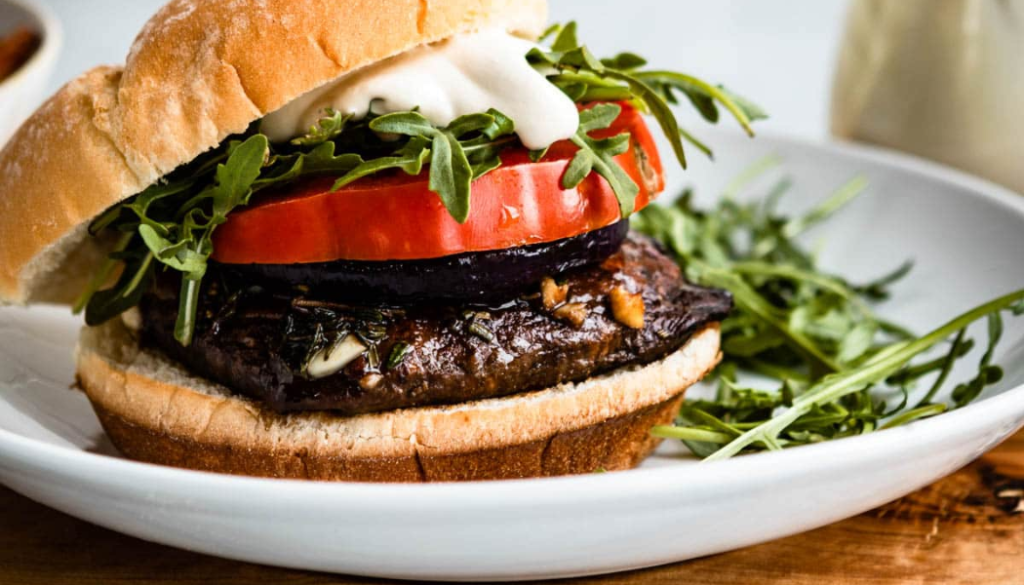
(943, 79)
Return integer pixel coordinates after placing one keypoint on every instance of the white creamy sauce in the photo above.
(463, 75)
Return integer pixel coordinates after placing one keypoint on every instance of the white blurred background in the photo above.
(779, 52)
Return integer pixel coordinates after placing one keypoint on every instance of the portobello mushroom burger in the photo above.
(364, 241)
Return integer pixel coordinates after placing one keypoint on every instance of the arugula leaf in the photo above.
(501, 125)
(813, 333)
(625, 62)
(140, 205)
(661, 112)
(235, 178)
(183, 245)
(451, 174)
(584, 78)
(176, 255)
(702, 92)
(752, 111)
(551, 31)
(233, 187)
(320, 160)
(330, 126)
(598, 117)
(411, 162)
(482, 168)
(599, 156)
(565, 39)
(404, 123)
(125, 294)
(475, 123)
(988, 374)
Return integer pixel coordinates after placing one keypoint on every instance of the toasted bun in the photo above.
(155, 411)
(198, 73)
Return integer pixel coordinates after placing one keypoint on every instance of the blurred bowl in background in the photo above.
(24, 90)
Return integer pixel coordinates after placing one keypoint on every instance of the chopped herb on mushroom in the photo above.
(481, 331)
(398, 354)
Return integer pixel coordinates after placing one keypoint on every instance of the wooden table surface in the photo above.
(968, 528)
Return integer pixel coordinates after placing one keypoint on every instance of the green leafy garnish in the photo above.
(328, 128)
(821, 404)
(170, 225)
(451, 173)
(835, 362)
(399, 352)
(587, 79)
(183, 245)
(599, 156)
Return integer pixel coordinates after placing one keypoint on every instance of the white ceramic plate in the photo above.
(966, 236)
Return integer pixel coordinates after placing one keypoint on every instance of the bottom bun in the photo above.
(155, 411)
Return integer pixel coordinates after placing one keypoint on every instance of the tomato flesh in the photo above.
(395, 216)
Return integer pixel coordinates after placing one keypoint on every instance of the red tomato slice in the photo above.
(397, 217)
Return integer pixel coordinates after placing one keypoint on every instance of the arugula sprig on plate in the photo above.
(840, 369)
(170, 225)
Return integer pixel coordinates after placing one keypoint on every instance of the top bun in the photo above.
(200, 71)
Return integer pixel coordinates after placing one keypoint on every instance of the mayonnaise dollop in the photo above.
(463, 75)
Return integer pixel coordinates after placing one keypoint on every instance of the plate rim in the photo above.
(669, 480)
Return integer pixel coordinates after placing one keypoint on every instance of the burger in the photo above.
(363, 241)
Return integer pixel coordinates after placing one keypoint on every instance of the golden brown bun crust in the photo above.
(198, 72)
(59, 171)
(156, 412)
(615, 445)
